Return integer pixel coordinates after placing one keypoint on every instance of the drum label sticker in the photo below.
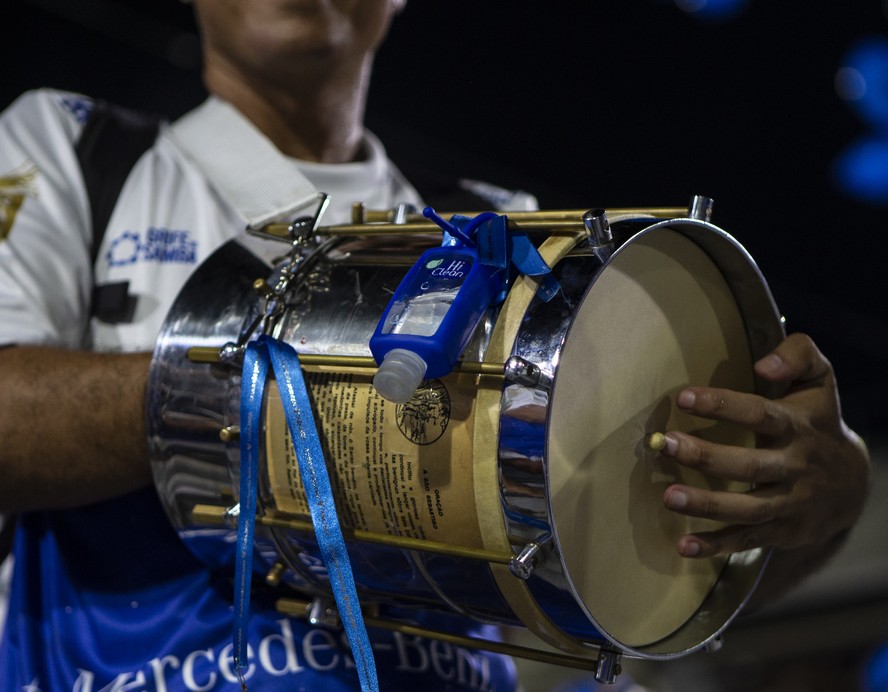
(395, 469)
(424, 418)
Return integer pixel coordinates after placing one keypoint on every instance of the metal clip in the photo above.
(300, 231)
(523, 372)
(231, 515)
(701, 208)
(275, 574)
(530, 557)
(608, 666)
(231, 354)
(401, 213)
(230, 433)
(598, 231)
(713, 645)
(321, 612)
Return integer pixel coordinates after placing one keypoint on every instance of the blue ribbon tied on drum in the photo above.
(261, 354)
(499, 246)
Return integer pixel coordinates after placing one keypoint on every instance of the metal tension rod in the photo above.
(210, 354)
(381, 222)
(297, 608)
(213, 514)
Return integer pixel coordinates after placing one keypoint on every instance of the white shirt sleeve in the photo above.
(45, 234)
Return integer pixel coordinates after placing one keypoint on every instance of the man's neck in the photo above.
(320, 122)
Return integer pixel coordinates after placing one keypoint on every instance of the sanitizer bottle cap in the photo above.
(399, 375)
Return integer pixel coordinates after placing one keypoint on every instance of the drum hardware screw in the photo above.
(263, 289)
(230, 354)
(304, 228)
(401, 213)
(300, 229)
(231, 515)
(608, 666)
(714, 644)
(523, 372)
(701, 208)
(598, 232)
(322, 613)
(275, 574)
(230, 433)
(359, 213)
(530, 557)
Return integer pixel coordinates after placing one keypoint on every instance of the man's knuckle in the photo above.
(710, 508)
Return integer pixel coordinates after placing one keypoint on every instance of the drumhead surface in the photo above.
(659, 317)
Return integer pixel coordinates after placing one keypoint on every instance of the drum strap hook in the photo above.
(282, 358)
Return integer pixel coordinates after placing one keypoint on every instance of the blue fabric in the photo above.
(255, 372)
(499, 247)
(113, 596)
(319, 493)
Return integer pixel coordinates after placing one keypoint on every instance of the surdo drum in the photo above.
(520, 488)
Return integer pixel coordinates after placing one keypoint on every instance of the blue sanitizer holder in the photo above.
(441, 300)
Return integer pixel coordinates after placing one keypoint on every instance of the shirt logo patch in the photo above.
(80, 108)
(13, 190)
(161, 245)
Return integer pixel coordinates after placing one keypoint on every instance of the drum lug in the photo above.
(523, 372)
(230, 433)
(275, 574)
(701, 208)
(401, 213)
(598, 233)
(713, 645)
(231, 354)
(608, 666)
(229, 518)
(530, 557)
(322, 612)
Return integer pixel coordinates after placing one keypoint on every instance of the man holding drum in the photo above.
(104, 593)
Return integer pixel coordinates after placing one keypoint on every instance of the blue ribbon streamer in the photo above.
(498, 246)
(255, 372)
(319, 493)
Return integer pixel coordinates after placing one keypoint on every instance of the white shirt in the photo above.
(169, 218)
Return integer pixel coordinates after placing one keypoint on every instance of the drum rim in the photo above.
(764, 329)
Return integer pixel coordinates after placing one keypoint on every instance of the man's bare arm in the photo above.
(72, 426)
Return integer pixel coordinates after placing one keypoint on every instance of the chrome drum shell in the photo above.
(335, 313)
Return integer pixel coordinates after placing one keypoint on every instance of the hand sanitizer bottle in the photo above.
(431, 318)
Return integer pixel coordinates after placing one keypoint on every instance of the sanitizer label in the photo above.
(421, 305)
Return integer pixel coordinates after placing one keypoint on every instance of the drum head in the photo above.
(659, 317)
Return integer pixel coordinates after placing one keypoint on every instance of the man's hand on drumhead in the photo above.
(810, 471)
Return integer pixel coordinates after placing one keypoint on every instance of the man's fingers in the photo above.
(731, 539)
(732, 463)
(750, 508)
(795, 359)
(753, 412)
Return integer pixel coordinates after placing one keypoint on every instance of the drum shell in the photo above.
(189, 403)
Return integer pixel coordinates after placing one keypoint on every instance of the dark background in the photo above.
(604, 103)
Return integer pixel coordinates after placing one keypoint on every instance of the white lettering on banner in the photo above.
(472, 669)
(291, 663)
(278, 654)
(157, 667)
(188, 671)
(473, 663)
(310, 649)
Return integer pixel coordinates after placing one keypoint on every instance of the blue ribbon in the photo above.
(318, 490)
(499, 246)
(255, 372)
